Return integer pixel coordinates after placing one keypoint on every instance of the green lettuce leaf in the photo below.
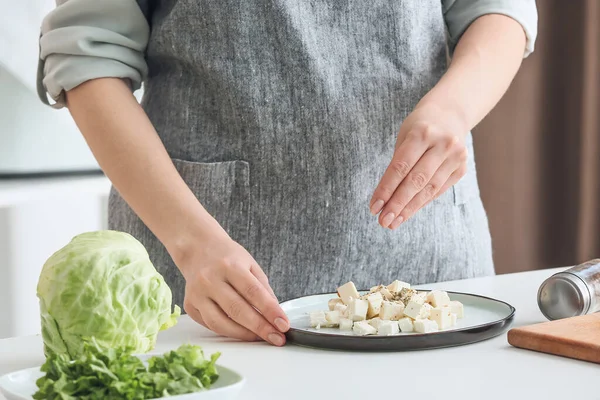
(101, 373)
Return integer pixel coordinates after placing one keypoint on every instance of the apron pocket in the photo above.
(223, 188)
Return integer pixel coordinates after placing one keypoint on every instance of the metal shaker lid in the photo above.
(563, 295)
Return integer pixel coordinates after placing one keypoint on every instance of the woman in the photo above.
(279, 138)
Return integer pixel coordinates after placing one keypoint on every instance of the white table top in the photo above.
(487, 370)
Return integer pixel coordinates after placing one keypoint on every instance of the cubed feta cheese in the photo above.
(374, 322)
(406, 324)
(333, 318)
(333, 302)
(387, 328)
(348, 291)
(425, 326)
(396, 286)
(318, 319)
(392, 311)
(342, 309)
(425, 311)
(375, 289)
(442, 317)
(387, 295)
(357, 309)
(363, 328)
(416, 310)
(375, 300)
(419, 297)
(453, 319)
(438, 298)
(457, 308)
(404, 295)
(346, 324)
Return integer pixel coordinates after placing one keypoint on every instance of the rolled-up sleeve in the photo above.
(459, 14)
(83, 40)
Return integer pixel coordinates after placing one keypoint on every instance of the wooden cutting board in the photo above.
(577, 337)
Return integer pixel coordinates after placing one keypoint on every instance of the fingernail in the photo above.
(376, 207)
(387, 220)
(281, 324)
(275, 339)
(397, 222)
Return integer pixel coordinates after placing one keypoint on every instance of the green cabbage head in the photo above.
(102, 285)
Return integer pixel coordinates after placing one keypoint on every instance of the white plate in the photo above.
(484, 318)
(20, 385)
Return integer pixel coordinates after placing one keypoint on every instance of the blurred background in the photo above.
(538, 156)
(538, 152)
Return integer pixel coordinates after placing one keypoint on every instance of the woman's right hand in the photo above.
(227, 292)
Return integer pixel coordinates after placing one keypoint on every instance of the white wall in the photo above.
(39, 216)
(35, 137)
(36, 219)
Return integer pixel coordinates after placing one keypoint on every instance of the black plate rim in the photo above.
(373, 340)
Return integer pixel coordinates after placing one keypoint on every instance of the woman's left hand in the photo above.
(430, 157)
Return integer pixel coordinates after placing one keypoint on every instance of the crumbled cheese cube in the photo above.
(333, 318)
(317, 319)
(387, 295)
(346, 324)
(438, 298)
(396, 286)
(425, 311)
(452, 319)
(334, 302)
(342, 309)
(374, 322)
(392, 311)
(416, 310)
(375, 289)
(425, 326)
(387, 328)
(348, 291)
(363, 328)
(457, 308)
(419, 297)
(406, 324)
(442, 317)
(357, 309)
(375, 300)
(404, 295)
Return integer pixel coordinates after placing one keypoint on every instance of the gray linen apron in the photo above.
(281, 116)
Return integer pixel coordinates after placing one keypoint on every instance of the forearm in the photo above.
(484, 63)
(133, 157)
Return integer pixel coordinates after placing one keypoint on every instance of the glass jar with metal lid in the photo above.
(573, 292)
